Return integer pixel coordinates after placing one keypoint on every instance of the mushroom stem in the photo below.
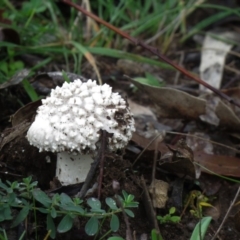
(72, 168)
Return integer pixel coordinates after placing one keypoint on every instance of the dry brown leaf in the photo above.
(159, 191)
(181, 161)
(10, 134)
(218, 164)
(172, 103)
(21, 121)
(25, 113)
(179, 158)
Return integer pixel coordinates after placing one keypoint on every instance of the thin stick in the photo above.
(226, 216)
(95, 164)
(204, 139)
(156, 152)
(102, 157)
(142, 152)
(89, 178)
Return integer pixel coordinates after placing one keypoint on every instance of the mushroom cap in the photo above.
(71, 118)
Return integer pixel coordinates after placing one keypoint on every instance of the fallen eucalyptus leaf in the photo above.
(172, 103)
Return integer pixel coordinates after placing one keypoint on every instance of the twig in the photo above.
(226, 216)
(180, 63)
(153, 50)
(102, 157)
(142, 152)
(156, 152)
(202, 138)
(149, 206)
(89, 178)
(99, 158)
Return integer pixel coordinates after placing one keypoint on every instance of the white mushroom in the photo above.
(69, 122)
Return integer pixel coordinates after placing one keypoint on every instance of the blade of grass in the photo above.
(30, 90)
(206, 22)
(201, 228)
(235, 11)
(89, 57)
(130, 56)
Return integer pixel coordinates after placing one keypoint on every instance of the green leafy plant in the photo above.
(169, 218)
(24, 196)
(155, 235)
(149, 80)
(115, 238)
(196, 201)
(201, 228)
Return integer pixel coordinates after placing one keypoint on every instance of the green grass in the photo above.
(201, 228)
(44, 31)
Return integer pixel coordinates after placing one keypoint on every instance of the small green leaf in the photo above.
(111, 203)
(149, 80)
(14, 185)
(56, 199)
(129, 212)
(77, 209)
(159, 217)
(3, 186)
(130, 198)
(114, 223)
(172, 210)
(43, 210)
(42, 197)
(94, 203)
(175, 219)
(100, 211)
(65, 199)
(21, 216)
(65, 224)
(91, 227)
(12, 198)
(10, 190)
(204, 226)
(155, 235)
(7, 213)
(27, 180)
(131, 204)
(51, 226)
(77, 201)
(53, 212)
(16, 66)
(125, 195)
